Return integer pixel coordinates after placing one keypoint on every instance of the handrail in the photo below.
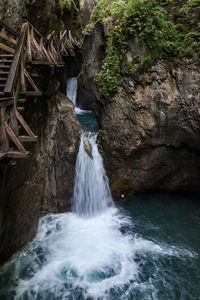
(10, 30)
(16, 60)
(27, 35)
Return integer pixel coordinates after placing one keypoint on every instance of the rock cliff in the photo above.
(149, 130)
(44, 182)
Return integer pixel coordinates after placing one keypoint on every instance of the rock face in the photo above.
(43, 183)
(86, 7)
(11, 12)
(93, 54)
(46, 15)
(150, 130)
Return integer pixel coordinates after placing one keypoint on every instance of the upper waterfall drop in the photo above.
(72, 89)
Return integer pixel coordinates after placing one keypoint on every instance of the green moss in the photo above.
(154, 23)
(66, 4)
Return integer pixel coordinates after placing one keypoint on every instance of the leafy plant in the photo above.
(153, 23)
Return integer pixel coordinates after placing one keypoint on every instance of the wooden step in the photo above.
(17, 154)
(4, 66)
(4, 73)
(3, 79)
(21, 100)
(35, 75)
(27, 139)
(6, 102)
(5, 61)
(6, 55)
(31, 93)
(20, 109)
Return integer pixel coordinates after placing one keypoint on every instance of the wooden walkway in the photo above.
(19, 55)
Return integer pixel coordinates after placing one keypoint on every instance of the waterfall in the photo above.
(95, 251)
(72, 89)
(91, 190)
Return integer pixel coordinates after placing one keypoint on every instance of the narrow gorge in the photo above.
(106, 204)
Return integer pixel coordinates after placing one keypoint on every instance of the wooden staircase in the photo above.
(5, 65)
(19, 54)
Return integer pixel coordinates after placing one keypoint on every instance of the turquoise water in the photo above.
(174, 222)
(147, 247)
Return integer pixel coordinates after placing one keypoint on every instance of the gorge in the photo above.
(131, 230)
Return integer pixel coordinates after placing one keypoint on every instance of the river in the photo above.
(146, 247)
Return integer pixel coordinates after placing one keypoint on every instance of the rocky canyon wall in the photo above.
(149, 130)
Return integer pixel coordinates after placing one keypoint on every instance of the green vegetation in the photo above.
(168, 29)
(66, 4)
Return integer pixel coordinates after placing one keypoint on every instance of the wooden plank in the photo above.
(7, 48)
(5, 66)
(22, 77)
(4, 36)
(21, 100)
(41, 62)
(6, 55)
(28, 139)
(13, 121)
(5, 98)
(24, 125)
(46, 53)
(35, 43)
(32, 83)
(6, 61)
(32, 93)
(20, 109)
(29, 45)
(13, 137)
(6, 103)
(3, 135)
(17, 154)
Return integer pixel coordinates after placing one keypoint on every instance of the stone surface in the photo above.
(44, 182)
(86, 7)
(150, 130)
(93, 54)
(46, 15)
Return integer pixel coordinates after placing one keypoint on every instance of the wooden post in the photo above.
(22, 77)
(13, 121)
(3, 135)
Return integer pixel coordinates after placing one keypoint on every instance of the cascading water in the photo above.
(72, 89)
(95, 252)
(91, 190)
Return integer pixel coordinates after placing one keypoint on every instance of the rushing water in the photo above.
(71, 90)
(146, 249)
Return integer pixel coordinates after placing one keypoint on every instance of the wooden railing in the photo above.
(16, 53)
(29, 49)
(65, 42)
